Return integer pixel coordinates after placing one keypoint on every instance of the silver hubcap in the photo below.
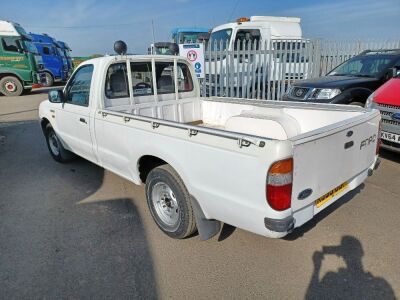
(165, 204)
(48, 79)
(54, 144)
(10, 86)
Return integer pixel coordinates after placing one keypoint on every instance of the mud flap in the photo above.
(207, 228)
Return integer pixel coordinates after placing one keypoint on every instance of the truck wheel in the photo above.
(11, 86)
(49, 80)
(56, 149)
(169, 202)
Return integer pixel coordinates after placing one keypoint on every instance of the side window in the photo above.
(142, 78)
(117, 81)
(165, 77)
(247, 37)
(78, 89)
(9, 44)
(185, 83)
(46, 50)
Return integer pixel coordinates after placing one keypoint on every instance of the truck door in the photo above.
(13, 57)
(73, 116)
(51, 61)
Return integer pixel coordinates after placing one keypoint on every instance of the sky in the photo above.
(91, 27)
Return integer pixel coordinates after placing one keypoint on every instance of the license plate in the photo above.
(329, 196)
(392, 137)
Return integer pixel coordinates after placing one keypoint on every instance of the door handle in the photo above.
(82, 120)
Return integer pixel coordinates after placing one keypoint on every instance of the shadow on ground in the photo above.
(52, 247)
(351, 282)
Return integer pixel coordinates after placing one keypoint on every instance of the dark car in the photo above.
(351, 82)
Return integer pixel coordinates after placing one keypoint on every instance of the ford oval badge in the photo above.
(304, 194)
(396, 116)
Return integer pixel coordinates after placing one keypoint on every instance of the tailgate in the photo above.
(329, 160)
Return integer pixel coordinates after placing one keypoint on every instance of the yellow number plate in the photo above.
(328, 196)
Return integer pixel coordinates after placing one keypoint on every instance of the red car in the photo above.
(387, 100)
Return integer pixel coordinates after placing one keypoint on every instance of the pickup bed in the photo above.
(264, 166)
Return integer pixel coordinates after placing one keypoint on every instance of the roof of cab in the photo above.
(188, 29)
(110, 58)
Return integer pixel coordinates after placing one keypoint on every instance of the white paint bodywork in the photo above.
(271, 29)
(228, 180)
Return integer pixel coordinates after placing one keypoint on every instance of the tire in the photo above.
(10, 86)
(49, 80)
(56, 149)
(169, 202)
(357, 104)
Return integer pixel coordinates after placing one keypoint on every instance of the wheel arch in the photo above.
(7, 73)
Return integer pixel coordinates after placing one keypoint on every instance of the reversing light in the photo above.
(279, 184)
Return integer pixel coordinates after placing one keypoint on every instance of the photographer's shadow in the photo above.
(351, 282)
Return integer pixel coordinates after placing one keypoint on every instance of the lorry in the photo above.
(264, 166)
(66, 49)
(180, 36)
(351, 82)
(387, 100)
(247, 53)
(189, 35)
(21, 65)
(54, 59)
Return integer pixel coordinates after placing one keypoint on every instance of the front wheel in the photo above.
(11, 86)
(169, 202)
(56, 149)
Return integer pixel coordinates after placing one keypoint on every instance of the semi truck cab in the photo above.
(54, 59)
(21, 66)
(65, 48)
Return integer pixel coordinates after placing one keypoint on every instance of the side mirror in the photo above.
(56, 96)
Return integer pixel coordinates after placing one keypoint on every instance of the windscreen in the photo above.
(223, 35)
(30, 47)
(363, 66)
(189, 37)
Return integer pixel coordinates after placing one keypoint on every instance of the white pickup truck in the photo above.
(264, 166)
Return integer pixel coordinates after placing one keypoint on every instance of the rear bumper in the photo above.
(280, 225)
(390, 146)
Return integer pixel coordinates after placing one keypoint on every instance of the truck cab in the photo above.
(54, 59)
(244, 37)
(21, 65)
(66, 50)
(189, 35)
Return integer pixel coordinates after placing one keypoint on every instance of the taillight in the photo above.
(378, 141)
(279, 184)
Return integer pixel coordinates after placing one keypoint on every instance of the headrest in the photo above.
(118, 82)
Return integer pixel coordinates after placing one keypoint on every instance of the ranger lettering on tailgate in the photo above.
(368, 141)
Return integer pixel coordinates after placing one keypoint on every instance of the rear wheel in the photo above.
(49, 80)
(11, 86)
(56, 149)
(169, 202)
